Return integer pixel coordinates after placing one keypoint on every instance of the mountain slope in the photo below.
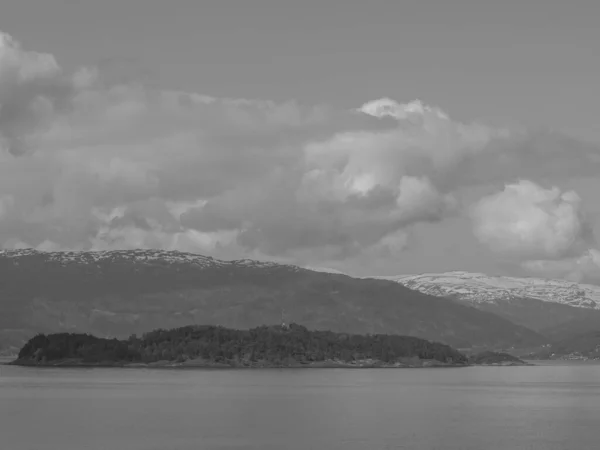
(122, 292)
(572, 328)
(481, 288)
(585, 344)
(553, 320)
(554, 308)
(580, 346)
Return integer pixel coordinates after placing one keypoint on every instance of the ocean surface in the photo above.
(547, 407)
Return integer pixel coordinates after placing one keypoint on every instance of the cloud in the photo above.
(585, 267)
(545, 230)
(526, 220)
(88, 161)
(415, 110)
(33, 89)
(89, 164)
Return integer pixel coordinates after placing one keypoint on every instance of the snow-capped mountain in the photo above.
(481, 288)
(140, 256)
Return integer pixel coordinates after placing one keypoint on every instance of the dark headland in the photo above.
(292, 346)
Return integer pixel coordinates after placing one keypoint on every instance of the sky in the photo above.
(374, 138)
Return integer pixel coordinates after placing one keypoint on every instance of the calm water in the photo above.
(545, 407)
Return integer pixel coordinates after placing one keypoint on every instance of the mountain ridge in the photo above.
(142, 255)
(121, 292)
(481, 288)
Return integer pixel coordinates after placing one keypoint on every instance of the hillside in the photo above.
(586, 344)
(117, 293)
(264, 346)
(582, 346)
(481, 288)
(554, 308)
(553, 320)
(572, 328)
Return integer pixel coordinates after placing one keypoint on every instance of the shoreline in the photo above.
(427, 364)
(216, 365)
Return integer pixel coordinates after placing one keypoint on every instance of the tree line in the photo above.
(268, 344)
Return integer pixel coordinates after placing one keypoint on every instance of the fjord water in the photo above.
(547, 407)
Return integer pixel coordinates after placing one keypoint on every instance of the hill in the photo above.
(482, 288)
(582, 346)
(116, 293)
(217, 346)
(556, 309)
(586, 344)
(572, 328)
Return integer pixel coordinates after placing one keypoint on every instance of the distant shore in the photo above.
(6, 360)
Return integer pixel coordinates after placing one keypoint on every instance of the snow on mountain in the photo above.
(481, 288)
(147, 256)
(473, 287)
(324, 269)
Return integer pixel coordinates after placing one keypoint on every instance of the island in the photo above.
(288, 346)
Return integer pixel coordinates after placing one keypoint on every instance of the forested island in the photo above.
(215, 346)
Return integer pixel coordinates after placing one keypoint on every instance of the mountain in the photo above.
(118, 293)
(572, 328)
(481, 288)
(585, 344)
(554, 308)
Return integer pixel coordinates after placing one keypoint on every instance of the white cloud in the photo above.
(386, 107)
(527, 220)
(543, 229)
(581, 268)
(254, 171)
(33, 89)
(89, 164)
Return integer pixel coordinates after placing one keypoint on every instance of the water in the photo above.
(493, 408)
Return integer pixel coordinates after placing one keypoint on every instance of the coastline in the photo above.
(191, 365)
(331, 364)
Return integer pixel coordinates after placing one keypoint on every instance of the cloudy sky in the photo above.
(368, 137)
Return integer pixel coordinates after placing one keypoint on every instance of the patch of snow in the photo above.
(481, 288)
(142, 256)
(324, 269)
